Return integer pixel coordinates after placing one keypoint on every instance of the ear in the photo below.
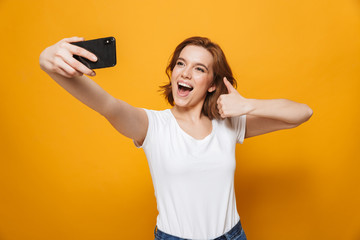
(212, 88)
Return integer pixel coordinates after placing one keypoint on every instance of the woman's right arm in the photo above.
(57, 61)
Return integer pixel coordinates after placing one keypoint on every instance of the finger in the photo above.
(70, 72)
(228, 85)
(221, 111)
(78, 66)
(76, 50)
(73, 39)
(62, 72)
(63, 56)
(220, 98)
(219, 106)
(222, 115)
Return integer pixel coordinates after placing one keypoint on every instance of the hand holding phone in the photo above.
(103, 48)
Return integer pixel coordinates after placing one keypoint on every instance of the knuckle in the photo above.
(77, 51)
(60, 52)
(57, 53)
(75, 64)
(79, 67)
(56, 62)
(63, 44)
(58, 70)
(72, 72)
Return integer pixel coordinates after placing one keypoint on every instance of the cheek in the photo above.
(206, 81)
(174, 74)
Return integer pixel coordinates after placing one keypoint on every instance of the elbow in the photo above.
(303, 116)
(308, 113)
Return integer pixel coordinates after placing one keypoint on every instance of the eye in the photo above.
(200, 69)
(180, 63)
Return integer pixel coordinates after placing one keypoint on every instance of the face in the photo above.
(192, 77)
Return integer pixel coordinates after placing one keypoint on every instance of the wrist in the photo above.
(250, 106)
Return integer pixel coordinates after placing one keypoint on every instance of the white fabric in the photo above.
(193, 179)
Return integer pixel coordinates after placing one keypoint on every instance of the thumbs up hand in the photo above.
(232, 104)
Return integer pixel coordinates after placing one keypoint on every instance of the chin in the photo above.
(181, 103)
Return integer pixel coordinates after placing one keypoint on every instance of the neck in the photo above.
(192, 114)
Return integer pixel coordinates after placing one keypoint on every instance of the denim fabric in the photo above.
(236, 233)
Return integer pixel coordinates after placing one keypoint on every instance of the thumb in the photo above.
(229, 86)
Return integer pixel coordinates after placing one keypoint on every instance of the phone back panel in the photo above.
(103, 48)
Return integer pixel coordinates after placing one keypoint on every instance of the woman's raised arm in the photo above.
(57, 61)
(262, 116)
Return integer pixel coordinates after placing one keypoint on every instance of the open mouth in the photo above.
(184, 89)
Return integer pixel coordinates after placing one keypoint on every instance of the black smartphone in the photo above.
(103, 48)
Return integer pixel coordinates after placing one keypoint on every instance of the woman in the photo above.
(191, 147)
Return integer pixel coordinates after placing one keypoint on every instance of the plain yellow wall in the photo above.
(65, 173)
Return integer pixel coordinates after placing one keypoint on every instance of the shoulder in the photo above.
(232, 122)
(233, 126)
(238, 121)
(159, 116)
(157, 119)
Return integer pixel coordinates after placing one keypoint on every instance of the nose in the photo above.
(186, 73)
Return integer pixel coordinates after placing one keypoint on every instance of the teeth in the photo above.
(184, 85)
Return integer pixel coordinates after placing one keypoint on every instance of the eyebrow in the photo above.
(180, 58)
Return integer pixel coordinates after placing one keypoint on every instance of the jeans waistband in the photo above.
(233, 234)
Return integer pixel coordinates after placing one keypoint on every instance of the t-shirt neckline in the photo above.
(213, 126)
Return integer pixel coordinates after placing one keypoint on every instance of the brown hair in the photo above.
(221, 69)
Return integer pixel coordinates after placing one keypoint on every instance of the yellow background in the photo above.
(65, 173)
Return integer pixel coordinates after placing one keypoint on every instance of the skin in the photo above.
(262, 116)
(194, 67)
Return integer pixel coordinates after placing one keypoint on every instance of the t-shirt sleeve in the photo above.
(150, 116)
(239, 124)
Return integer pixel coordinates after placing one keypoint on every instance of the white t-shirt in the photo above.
(193, 179)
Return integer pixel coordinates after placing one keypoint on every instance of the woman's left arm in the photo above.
(262, 116)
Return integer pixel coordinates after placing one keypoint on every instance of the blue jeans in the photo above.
(236, 233)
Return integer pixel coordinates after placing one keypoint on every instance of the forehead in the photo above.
(197, 54)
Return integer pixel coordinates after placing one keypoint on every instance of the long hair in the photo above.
(221, 69)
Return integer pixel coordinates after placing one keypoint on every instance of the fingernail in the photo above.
(94, 58)
(92, 74)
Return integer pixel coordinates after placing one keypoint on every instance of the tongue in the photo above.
(183, 91)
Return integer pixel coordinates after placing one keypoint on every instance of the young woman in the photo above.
(191, 147)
